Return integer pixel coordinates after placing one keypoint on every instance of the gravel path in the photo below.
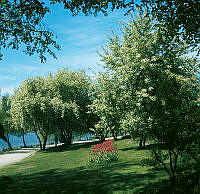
(16, 156)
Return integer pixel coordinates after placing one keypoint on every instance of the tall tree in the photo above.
(161, 87)
(5, 119)
(56, 104)
(70, 98)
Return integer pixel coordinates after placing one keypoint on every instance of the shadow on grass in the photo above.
(184, 184)
(129, 148)
(147, 147)
(77, 180)
(160, 146)
(65, 147)
(85, 180)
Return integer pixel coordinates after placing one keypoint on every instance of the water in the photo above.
(17, 141)
(31, 139)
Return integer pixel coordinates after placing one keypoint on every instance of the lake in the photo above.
(31, 139)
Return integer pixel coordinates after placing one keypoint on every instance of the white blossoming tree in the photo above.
(161, 89)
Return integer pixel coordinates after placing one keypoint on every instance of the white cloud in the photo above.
(80, 37)
(7, 77)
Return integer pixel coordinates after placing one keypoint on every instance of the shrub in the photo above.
(105, 152)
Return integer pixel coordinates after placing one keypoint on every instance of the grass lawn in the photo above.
(66, 170)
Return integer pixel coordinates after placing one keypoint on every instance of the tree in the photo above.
(55, 104)
(31, 110)
(21, 23)
(106, 106)
(161, 88)
(127, 59)
(70, 98)
(4, 119)
(21, 20)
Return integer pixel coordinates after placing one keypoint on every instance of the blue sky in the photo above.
(79, 37)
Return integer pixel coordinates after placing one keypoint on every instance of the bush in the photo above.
(105, 152)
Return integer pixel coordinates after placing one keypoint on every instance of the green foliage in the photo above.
(160, 88)
(21, 23)
(56, 104)
(5, 123)
(21, 20)
(105, 105)
(128, 60)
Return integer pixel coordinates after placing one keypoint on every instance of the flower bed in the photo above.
(104, 153)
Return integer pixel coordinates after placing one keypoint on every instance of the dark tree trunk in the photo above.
(66, 137)
(44, 142)
(102, 138)
(114, 135)
(56, 140)
(8, 141)
(69, 138)
(24, 141)
(140, 143)
(172, 183)
(62, 137)
(3, 137)
(144, 141)
(39, 140)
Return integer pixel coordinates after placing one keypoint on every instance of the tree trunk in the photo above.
(44, 142)
(8, 141)
(102, 138)
(173, 161)
(64, 136)
(140, 143)
(39, 140)
(24, 141)
(114, 135)
(172, 183)
(144, 141)
(69, 138)
(56, 140)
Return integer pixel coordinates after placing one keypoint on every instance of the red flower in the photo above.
(106, 146)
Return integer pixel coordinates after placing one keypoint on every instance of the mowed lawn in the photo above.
(66, 170)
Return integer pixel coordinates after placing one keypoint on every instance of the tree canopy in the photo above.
(56, 104)
(21, 23)
(21, 20)
(160, 89)
(4, 118)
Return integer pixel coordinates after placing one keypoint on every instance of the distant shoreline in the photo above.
(32, 141)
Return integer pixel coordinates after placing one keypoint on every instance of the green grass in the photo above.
(66, 170)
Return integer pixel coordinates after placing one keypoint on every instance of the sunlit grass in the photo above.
(66, 169)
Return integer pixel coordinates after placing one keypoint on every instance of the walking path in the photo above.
(14, 156)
